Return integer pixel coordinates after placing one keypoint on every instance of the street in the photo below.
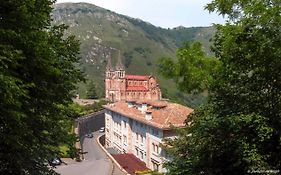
(96, 162)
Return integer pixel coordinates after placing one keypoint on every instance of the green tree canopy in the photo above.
(37, 74)
(193, 69)
(91, 90)
(239, 130)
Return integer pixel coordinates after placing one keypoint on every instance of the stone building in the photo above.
(120, 86)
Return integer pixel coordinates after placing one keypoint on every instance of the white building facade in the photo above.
(139, 128)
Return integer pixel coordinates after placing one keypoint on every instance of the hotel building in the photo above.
(139, 127)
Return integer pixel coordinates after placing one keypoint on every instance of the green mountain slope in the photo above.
(103, 34)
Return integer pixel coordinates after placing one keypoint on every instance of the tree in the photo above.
(91, 91)
(193, 69)
(239, 130)
(37, 74)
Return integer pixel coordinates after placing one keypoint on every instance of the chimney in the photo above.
(130, 104)
(143, 108)
(148, 115)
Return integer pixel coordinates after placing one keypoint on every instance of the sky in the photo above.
(162, 13)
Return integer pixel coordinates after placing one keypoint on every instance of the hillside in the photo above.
(103, 33)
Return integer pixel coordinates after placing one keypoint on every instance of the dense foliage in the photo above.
(37, 74)
(83, 110)
(91, 90)
(193, 69)
(239, 130)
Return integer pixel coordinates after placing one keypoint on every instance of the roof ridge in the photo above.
(168, 117)
(137, 75)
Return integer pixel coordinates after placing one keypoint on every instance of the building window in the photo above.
(155, 132)
(155, 148)
(155, 166)
(141, 153)
(115, 137)
(137, 136)
(142, 139)
(125, 124)
(124, 139)
(118, 126)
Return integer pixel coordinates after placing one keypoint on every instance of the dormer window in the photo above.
(148, 115)
(130, 104)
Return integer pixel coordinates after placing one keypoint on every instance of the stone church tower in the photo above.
(119, 86)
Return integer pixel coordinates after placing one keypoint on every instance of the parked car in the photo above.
(101, 129)
(55, 161)
(90, 135)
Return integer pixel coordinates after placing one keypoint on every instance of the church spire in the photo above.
(109, 64)
(119, 65)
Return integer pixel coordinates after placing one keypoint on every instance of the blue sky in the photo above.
(163, 13)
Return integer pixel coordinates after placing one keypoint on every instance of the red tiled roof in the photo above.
(136, 88)
(155, 103)
(130, 163)
(137, 77)
(170, 114)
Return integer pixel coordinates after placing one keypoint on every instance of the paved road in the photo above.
(96, 162)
